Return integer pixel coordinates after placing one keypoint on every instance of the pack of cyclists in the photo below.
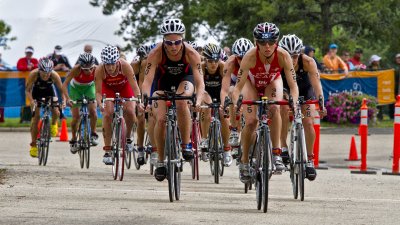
(270, 65)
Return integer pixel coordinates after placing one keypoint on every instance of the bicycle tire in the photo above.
(266, 171)
(40, 142)
(220, 154)
(195, 143)
(215, 150)
(170, 166)
(177, 170)
(115, 148)
(301, 148)
(293, 165)
(80, 140)
(135, 151)
(88, 142)
(257, 165)
(46, 141)
(122, 148)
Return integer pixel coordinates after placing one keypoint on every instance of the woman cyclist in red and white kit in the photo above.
(259, 73)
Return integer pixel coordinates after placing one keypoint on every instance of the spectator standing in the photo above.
(356, 59)
(60, 61)
(27, 63)
(310, 51)
(346, 59)
(374, 63)
(88, 49)
(4, 65)
(333, 62)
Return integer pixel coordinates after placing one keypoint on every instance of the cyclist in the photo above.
(232, 65)
(40, 85)
(259, 74)
(173, 63)
(114, 75)
(308, 82)
(81, 78)
(138, 68)
(213, 72)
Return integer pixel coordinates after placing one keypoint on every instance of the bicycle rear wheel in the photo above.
(300, 150)
(122, 148)
(46, 140)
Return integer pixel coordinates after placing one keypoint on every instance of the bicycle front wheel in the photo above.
(169, 139)
(81, 143)
(300, 151)
(115, 148)
(267, 167)
(293, 165)
(46, 141)
(122, 148)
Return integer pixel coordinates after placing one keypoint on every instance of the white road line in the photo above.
(216, 193)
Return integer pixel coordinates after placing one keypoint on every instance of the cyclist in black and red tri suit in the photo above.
(213, 71)
(173, 63)
(309, 84)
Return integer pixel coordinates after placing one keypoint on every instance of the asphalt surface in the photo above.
(62, 193)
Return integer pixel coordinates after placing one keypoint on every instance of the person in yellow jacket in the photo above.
(333, 63)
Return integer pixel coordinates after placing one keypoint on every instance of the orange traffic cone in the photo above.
(353, 151)
(64, 130)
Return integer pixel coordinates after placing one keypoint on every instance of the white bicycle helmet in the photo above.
(241, 46)
(86, 59)
(266, 31)
(109, 54)
(291, 43)
(193, 44)
(45, 65)
(172, 26)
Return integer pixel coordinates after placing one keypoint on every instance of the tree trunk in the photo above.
(326, 26)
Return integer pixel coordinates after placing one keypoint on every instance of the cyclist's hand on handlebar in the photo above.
(141, 107)
(322, 113)
(147, 108)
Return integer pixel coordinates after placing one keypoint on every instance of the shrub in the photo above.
(345, 107)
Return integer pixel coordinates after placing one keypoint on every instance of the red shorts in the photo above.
(124, 91)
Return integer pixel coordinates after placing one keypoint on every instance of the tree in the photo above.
(372, 25)
(143, 17)
(4, 31)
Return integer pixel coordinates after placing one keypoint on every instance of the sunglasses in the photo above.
(87, 67)
(295, 56)
(265, 42)
(170, 43)
(212, 60)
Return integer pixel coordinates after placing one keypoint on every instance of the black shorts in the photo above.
(39, 93)
(214, 93)
(162, 82)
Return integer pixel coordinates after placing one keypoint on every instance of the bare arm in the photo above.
(248, 62)
(73, 73)
(29, 85)
(57, 81)
(226, 79)
(195, 62)
(314, 76)
(130, 75)
(286, 62)
(98, 78)
(151, 65)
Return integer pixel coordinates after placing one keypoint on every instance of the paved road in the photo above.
(62, 193)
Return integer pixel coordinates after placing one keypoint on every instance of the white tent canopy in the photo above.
(44, 24)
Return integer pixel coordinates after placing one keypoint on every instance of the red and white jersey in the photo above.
(263, 74)
(117, 81)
